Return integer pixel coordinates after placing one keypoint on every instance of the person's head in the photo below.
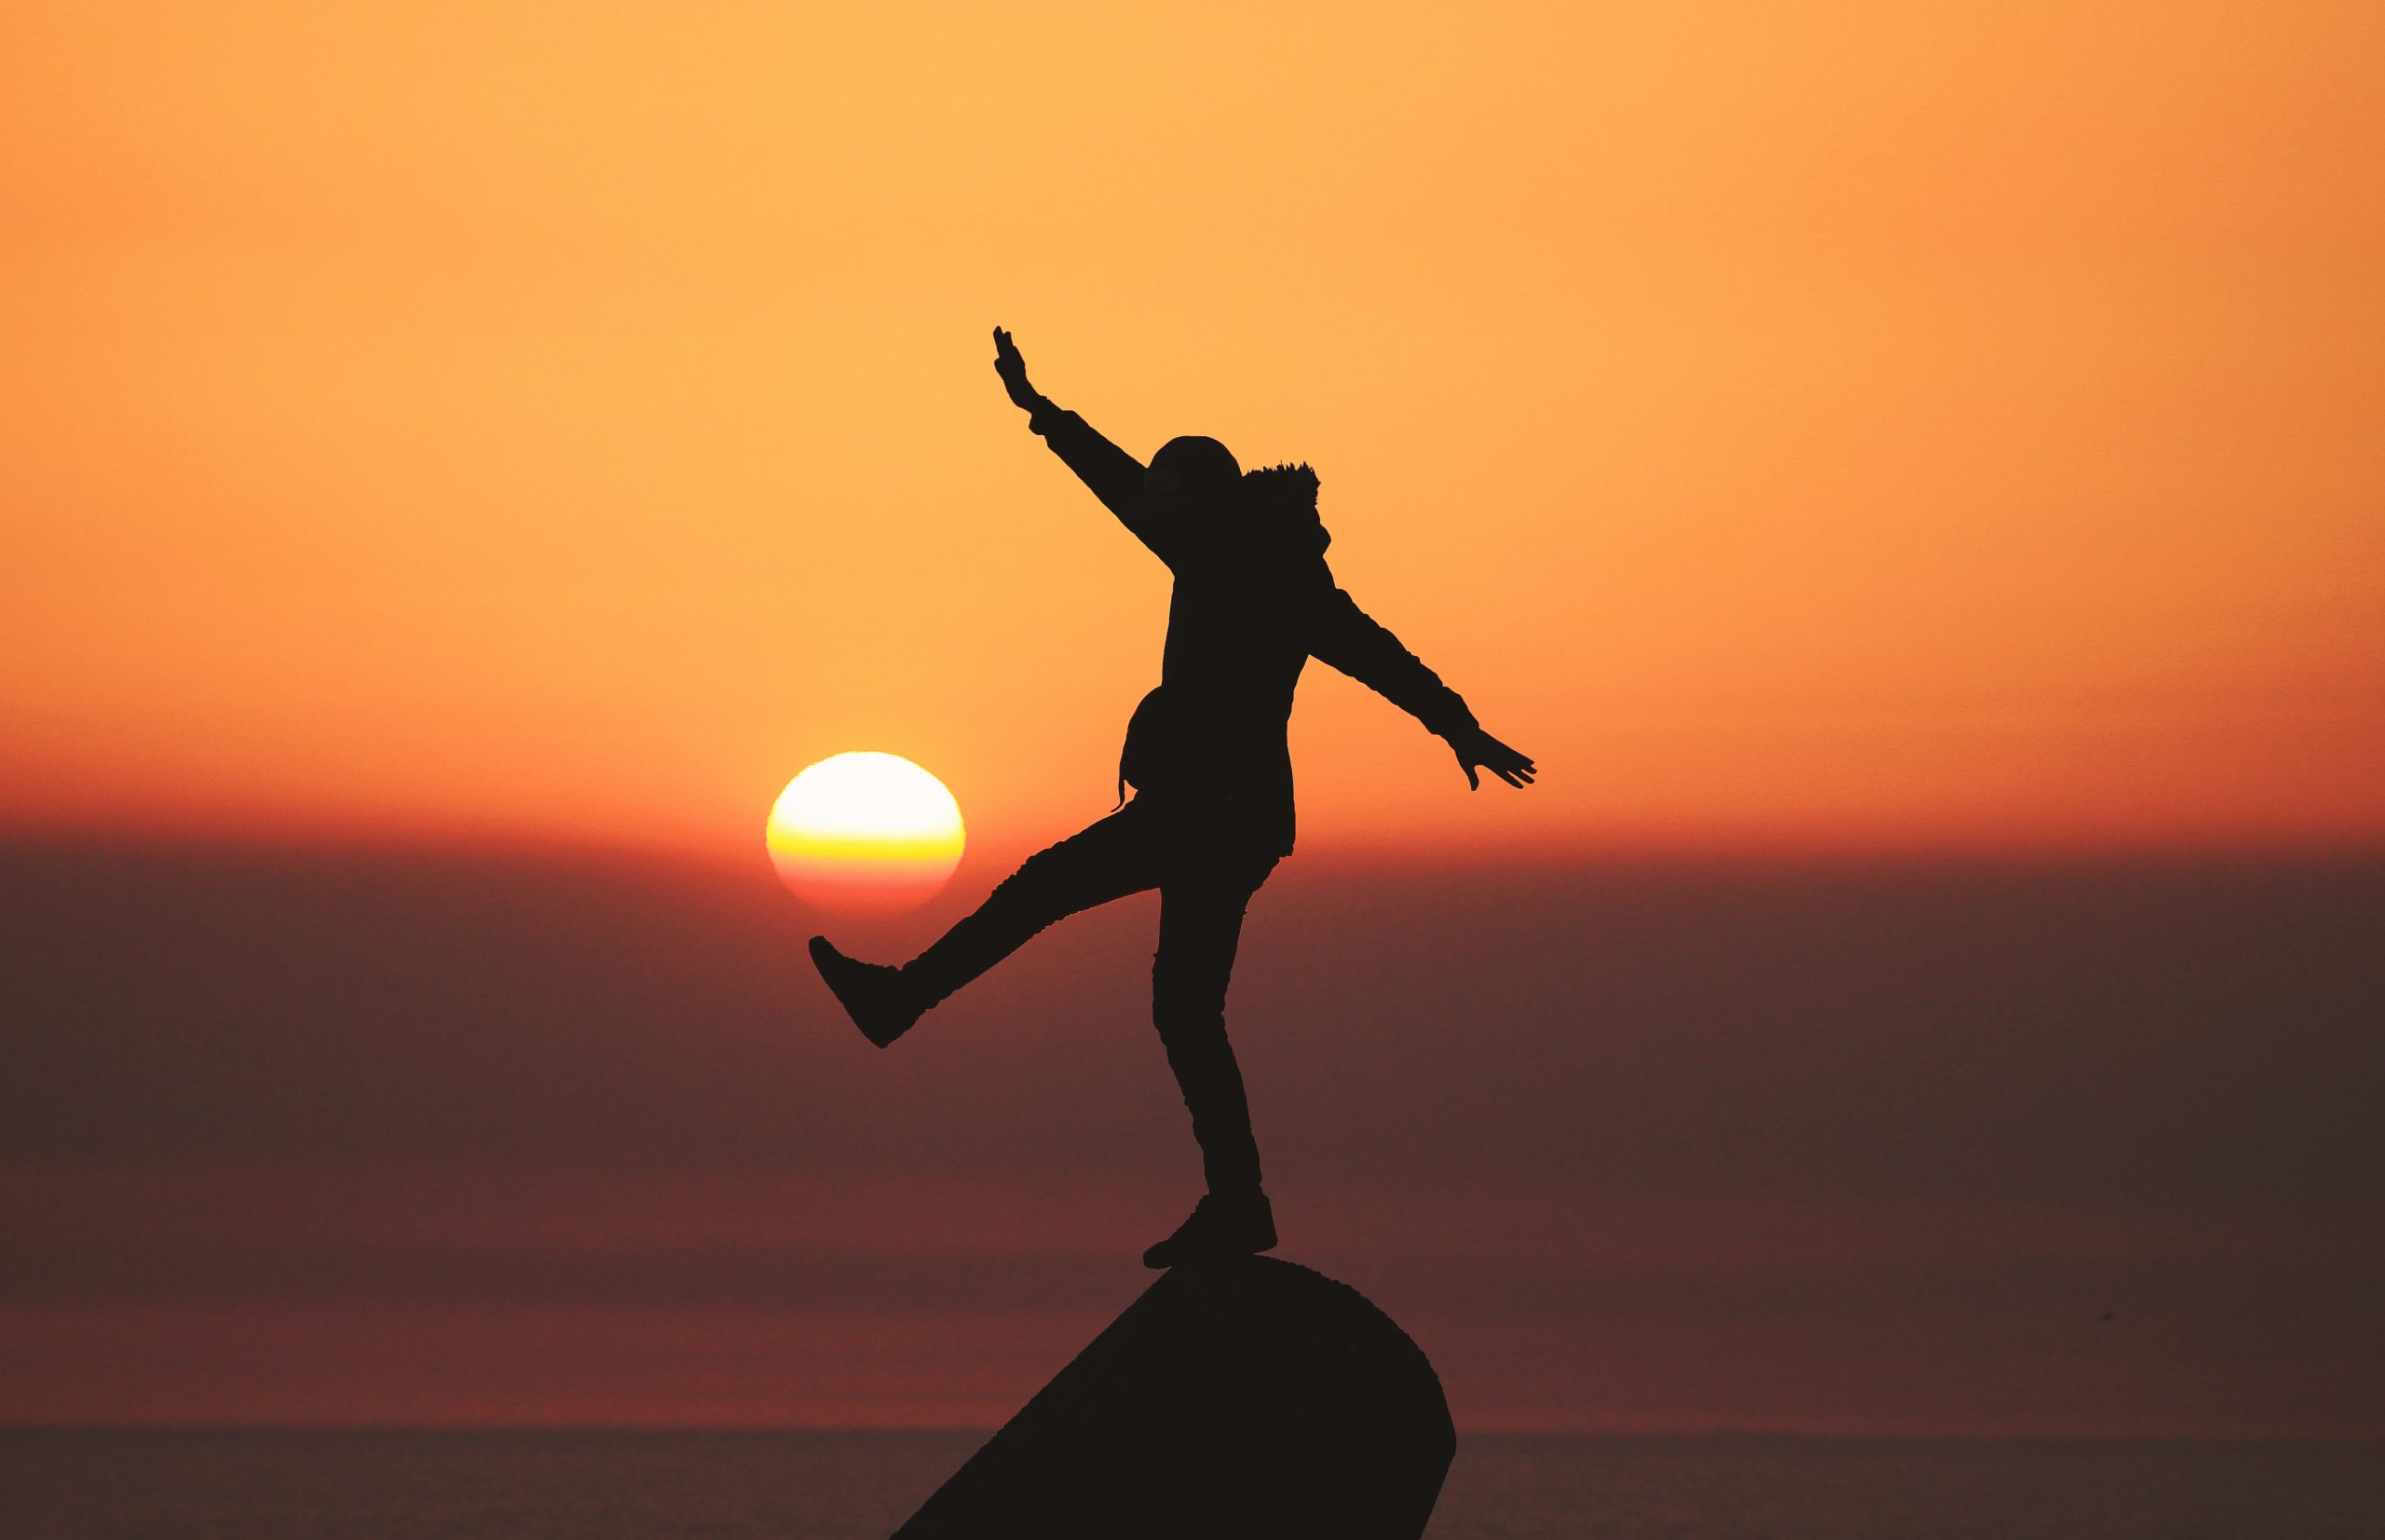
(1191, 472)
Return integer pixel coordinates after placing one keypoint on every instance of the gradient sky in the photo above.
(1805, 425)
(1910, 473)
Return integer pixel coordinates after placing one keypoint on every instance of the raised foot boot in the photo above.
(1222, 1224)
(878, 999)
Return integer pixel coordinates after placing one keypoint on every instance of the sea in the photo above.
(79, 1484)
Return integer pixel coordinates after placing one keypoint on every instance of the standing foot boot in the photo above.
(881, 1005)
(1222, 1224)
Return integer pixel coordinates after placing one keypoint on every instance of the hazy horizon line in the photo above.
(1585, 1435)
(304, 840)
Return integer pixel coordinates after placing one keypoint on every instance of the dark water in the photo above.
(845, 1486)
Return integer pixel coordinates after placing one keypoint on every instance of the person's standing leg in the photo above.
(1202, 903)
(1107, 860)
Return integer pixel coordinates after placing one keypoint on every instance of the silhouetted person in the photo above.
(1212, 775)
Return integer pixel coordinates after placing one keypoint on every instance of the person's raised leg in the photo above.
(1200, 929)
(1108, 860)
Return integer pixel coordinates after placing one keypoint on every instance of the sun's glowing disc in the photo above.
(866, 834)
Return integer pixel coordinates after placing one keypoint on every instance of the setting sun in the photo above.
(866, 833)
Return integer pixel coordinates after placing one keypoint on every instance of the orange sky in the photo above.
(1796, 425)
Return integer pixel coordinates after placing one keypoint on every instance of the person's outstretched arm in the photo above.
(1348, 638)
(1115, 476)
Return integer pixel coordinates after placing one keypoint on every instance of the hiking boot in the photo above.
(876, 997)
(1222, 1225)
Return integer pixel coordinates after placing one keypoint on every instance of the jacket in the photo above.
(1253, 602)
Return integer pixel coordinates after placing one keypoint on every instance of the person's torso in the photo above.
(1212, 736)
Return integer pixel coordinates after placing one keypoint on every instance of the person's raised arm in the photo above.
(1113, 475)
(1348, 638)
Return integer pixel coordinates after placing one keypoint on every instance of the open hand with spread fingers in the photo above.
(1476, 748)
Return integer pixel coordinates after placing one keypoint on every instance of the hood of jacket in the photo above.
(1276, 515)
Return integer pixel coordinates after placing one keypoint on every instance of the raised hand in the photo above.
(1013, 370)
(1475, 748)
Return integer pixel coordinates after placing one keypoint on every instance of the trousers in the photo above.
(1205, 871)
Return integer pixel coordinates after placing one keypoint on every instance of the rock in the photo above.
(1249, 1398)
